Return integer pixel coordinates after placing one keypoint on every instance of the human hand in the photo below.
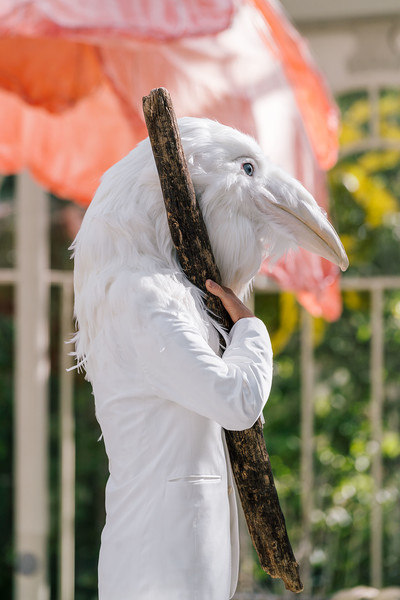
(235, 307)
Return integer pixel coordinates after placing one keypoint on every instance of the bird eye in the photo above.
(248, 168)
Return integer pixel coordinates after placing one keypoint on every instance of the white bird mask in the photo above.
(252, 210)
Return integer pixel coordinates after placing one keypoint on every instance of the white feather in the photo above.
(124, 237)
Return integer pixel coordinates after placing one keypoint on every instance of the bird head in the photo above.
(252, 210)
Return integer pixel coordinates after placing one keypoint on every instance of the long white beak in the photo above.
(297, 216)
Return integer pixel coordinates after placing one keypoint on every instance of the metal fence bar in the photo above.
(262, 283)
(31, 521)
(8, 276)
(58, 277)
(376, 407)
(388, 282)
(67, 451)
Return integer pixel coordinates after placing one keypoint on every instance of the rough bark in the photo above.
(248, 454)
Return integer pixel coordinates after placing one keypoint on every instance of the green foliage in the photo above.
(6, 440)
(365, 200)
(6, 222)
(343, 451)
(365, 204)
(91, 476)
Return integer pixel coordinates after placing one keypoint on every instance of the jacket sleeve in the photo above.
(180, 366)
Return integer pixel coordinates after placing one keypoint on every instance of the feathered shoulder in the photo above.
(133, 299)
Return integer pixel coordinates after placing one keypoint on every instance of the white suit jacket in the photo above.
(163, 397)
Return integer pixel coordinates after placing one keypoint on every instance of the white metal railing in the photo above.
(31, 377)
(66, 570)
(64, 281)
(374, 285)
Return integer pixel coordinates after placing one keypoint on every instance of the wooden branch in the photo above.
(248, 454)
(185, 219)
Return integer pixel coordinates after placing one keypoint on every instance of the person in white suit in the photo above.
(163, 393)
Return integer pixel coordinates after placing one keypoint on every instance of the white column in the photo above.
(67, 455)
(31, 387)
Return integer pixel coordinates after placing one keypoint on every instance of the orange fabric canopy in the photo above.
(72, 76)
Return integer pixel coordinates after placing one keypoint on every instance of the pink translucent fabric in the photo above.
(319, 112)
(314, 279)
(66, 153)
(95, 20)
(71, 109)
